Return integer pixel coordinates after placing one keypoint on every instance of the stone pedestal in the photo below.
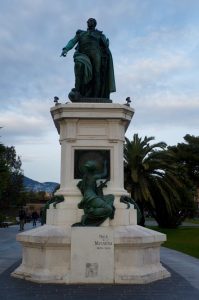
(90, 126)
(121, 254)
(119, 251)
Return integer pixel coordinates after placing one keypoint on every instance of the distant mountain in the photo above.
(35, 186)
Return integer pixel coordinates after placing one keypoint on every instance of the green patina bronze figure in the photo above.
(97, 207)
(128, 201)
(94, 73)
(55, 200)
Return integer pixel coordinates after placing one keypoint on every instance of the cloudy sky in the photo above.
(155, 48)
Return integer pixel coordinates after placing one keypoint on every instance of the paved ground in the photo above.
(183, 283)
(10, 249)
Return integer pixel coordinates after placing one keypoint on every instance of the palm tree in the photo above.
(148, 168)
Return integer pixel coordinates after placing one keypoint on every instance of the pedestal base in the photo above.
(123, 254)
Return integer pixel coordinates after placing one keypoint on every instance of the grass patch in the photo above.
(183, 239)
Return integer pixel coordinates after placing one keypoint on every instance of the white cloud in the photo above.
(171, 134)
(29, 121)
(150, 70)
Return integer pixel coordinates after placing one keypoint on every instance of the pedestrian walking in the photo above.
(22, 219)
(34, 218)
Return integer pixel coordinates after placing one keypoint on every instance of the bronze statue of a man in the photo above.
(94, 73)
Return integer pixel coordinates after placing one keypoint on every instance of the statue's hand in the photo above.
(64, 52)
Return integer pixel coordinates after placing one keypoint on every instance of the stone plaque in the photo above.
(92, 255)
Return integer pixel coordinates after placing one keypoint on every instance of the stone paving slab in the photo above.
(173, 288)
(185, 265)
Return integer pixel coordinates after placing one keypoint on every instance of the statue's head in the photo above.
(90, 165)
(91, 23)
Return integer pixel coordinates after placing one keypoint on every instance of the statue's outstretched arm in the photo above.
(69, 46)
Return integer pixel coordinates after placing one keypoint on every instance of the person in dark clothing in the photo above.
(34, 218)
(22, 219)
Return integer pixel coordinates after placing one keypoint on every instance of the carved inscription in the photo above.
(103, 242)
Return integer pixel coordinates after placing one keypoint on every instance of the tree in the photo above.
(4, 171)
(187, 154)
(184, 206)
(151, 174)
(11, 177)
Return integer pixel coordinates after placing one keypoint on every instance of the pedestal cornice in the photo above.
(95, 111)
